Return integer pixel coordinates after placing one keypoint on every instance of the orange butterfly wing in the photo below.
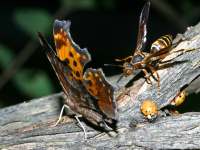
(98, 86)
(60, 69)
(67, 51)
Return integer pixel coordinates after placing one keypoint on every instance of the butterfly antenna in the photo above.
(44, 43)
(114, 65)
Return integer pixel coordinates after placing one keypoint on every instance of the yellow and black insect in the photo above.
(149, 109)
(161, 43)
(147, 62)
(179, 99)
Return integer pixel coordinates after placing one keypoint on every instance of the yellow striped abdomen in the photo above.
(161, 43)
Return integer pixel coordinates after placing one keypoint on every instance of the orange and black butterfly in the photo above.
(142, 60)
(88, 92)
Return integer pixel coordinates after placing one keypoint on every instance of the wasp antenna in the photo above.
(124, 59)
(113, 65)
(119, 60)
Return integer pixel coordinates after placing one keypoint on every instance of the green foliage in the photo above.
(78, 4)
(87, 4)
(28, 81)
(33, 20)
(107, 4)
(6, 56)
(33, 83)
(190, 11)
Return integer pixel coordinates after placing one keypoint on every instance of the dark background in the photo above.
(108, 28)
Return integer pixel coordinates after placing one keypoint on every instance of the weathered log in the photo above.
(30, 125)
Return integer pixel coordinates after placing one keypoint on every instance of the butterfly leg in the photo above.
(85, 133)
(147, 77)
(61, 113)
(76, 117)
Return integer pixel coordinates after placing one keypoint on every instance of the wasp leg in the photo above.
(157, 77)
(183, 51)
(153, 70)
(120, 77)
(147, 77)
(143, 54)
(124, 59)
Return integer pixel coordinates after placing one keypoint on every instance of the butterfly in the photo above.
(88, 92)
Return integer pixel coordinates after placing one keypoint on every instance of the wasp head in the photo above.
(128, 69)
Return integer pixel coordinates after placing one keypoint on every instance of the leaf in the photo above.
(78, 4)
(108, 4)
(33, 20)
(33, 83)
(6, 56)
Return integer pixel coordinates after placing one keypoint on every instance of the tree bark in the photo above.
(30, 125)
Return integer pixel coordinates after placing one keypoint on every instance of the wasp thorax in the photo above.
(137, 58)
(149, 109)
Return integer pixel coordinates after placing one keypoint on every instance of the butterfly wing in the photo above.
(76, 58)
(98, 86)
(59, 68)
(69, 52)
(74, 97)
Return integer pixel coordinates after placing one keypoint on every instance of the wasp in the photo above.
(180, 98)
(147, 62)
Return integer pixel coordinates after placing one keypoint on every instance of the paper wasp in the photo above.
(146, 62)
